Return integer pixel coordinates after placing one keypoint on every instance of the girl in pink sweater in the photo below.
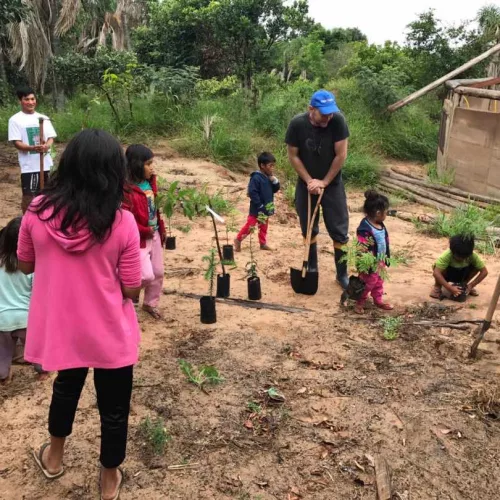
(85, 251)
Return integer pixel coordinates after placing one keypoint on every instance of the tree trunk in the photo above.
(3, 72)
(58, 98)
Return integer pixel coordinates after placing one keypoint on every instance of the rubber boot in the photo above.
(313, 258)
(342, 277)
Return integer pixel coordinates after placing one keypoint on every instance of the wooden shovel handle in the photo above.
(42, 156)
(310, 228)
(493, 303)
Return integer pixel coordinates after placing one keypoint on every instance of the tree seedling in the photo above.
(391, 326)
(211, 270)
(155, 434)
(200, 376)
(169, 200)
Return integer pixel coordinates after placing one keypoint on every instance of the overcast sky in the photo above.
(383, 20)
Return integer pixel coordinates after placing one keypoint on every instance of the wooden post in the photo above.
(449, 76)
(42, 155)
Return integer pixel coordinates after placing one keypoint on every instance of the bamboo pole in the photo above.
(439, 81)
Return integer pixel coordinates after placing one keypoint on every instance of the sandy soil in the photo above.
(349, 394)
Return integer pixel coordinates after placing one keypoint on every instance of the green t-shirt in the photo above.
(447, 260)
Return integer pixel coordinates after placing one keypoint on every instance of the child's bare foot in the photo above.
(358, 309)
(384, 306)
(435, 292)
(266, 247)
(7, 380)
(237, 245)
(153, 311)
(473, 292)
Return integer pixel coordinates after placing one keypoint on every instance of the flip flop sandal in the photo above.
(38, 459)
(474, 293)
(435, 293)
(120, 484)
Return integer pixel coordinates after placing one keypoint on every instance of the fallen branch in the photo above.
(183, 272)
(243, 303)
(424, 192)
(421, 200)
(395, 173)
(383, 478)
(182, 466)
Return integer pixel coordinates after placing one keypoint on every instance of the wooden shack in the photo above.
(469, 136)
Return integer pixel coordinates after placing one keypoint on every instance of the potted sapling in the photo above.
(227, 249)
(207, 302)
(253, 280)
(170, 199)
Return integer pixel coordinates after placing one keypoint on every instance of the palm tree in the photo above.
(35, 40)
(489, 22)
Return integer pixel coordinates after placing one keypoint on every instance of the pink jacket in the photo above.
(78, 316)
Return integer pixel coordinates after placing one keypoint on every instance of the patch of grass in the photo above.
(184, 229)
(465, 220)
(155, 434)
(391, 326)
(200, 376)
(446, 177)
(254, 407)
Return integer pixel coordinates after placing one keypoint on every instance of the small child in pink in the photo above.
(373, 234)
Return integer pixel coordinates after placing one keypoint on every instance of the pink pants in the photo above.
(374, 284)
(152, 270)
(251, 222)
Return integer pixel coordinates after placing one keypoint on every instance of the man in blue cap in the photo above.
(317, 149)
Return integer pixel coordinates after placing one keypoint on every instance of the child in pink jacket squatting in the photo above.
(373, 234)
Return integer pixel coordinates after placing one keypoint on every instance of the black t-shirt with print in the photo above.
(316, 144)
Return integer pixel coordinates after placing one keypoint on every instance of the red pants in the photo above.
(251, 222)
(374, 284)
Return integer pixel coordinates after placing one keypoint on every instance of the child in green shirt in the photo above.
(458, 265)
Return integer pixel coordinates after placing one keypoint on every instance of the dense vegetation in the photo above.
(222, 79)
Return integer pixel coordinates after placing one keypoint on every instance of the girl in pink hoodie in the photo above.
(85, 251)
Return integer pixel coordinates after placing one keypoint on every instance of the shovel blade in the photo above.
(305, 286)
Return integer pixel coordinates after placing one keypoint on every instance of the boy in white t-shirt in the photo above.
(24, 133)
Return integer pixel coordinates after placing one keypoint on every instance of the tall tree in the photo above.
(488, 19)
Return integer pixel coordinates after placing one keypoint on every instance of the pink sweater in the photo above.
(78, 316)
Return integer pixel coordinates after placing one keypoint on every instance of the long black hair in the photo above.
(87, 187)
(8, 245)
(375, 202)
(137, 155)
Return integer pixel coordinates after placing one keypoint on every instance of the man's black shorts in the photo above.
(30, 182)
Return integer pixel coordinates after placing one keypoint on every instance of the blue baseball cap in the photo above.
(325, 102)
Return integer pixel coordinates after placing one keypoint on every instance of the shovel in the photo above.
(485, 325)
(305, 281)
(42, 156)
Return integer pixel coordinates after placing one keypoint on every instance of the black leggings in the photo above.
(114, 390)
(335, 212)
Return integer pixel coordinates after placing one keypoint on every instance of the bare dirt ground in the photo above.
(350, 395)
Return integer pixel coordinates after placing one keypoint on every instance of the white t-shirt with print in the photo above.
(25, 127)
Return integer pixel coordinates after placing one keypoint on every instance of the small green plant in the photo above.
(231, 226)
(391, 326)
(251, 266)
(200, 376)
(211, 270)
(168, 200)
(155, 434)
(361, 260)
(254, 407)
(446, 177)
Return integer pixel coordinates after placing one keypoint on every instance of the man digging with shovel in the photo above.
(24, 133)
(317, 149)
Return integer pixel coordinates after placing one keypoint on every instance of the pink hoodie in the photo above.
(78, 317)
